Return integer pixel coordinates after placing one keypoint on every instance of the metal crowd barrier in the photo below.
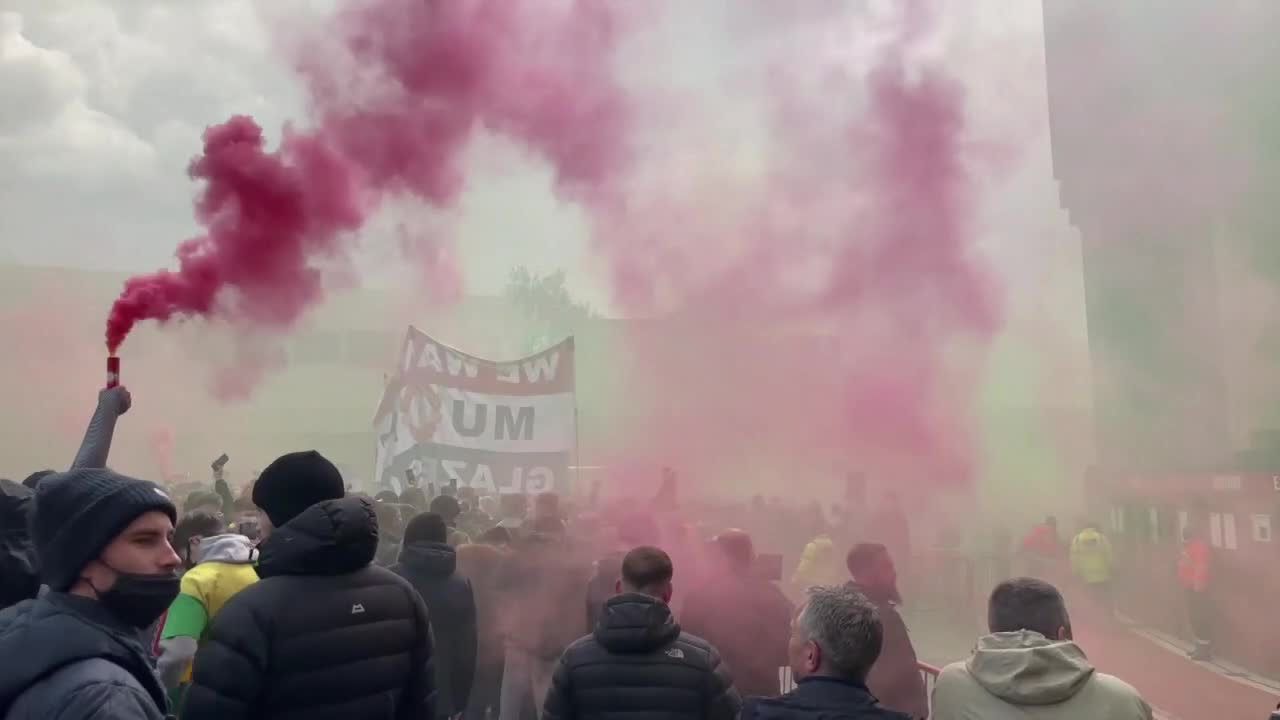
(930, 675)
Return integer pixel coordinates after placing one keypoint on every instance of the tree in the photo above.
(547, 309)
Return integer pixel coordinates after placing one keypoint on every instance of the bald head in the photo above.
(737, 549)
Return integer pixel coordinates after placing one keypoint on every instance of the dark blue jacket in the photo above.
(66, 657)
(638, 665)
(820, 698)
(432, 570)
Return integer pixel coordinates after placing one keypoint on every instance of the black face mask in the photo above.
(140, 600)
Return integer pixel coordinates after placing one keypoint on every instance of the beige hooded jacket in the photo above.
(1022, 675)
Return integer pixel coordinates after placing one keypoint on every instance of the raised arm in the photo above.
(96, 446)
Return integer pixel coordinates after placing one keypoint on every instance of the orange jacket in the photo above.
(1193, 565)
(1042, 541)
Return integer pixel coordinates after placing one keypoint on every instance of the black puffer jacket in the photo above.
(322, 635)
(432, 569)
(639, 666)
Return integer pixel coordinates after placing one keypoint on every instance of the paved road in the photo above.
(1184, 690)
(1180, 688)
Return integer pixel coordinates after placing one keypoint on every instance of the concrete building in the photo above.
(1162, 118)
(1160, 149)
(650, 392)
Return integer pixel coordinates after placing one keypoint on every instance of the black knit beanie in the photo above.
(427, 527)
(78, 513)
(446, 507)
(295, 482)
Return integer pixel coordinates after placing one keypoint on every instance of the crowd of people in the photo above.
(300, 598)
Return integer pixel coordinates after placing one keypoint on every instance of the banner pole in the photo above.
(577, 455)
(577, 442)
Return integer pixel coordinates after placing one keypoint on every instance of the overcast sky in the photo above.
(103, 103)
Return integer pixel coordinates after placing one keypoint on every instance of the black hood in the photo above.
(430, 559)
(58, 629)
(332, 537)
(635, 623)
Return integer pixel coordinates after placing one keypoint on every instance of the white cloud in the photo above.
(102, 103)
(38, 83)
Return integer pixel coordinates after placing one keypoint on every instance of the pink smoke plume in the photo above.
(861, 229)
(162, 441)
(440, 70)
(268, 216)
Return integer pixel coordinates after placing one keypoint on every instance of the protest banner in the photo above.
(504, 427)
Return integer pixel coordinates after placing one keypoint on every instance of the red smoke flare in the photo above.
(427, 75)
(268, 215)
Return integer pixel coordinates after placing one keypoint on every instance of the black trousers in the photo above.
(1200, 613)
(485, 692)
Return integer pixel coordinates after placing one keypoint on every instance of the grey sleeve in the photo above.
(107, 701)
(96, 446)
(176, 655)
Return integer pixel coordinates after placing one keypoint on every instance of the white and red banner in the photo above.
(505, 427)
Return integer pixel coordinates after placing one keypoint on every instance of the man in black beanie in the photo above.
(293, 483)
(323, 634)
(78, 651)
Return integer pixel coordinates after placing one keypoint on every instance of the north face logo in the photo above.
(357, 609)
(676, 653)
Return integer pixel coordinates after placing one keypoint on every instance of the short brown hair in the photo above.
(1027, 604)
(646, 567)
(863, 556)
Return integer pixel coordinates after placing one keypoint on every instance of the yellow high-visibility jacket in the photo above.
(819, 565)
(1091, 558)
